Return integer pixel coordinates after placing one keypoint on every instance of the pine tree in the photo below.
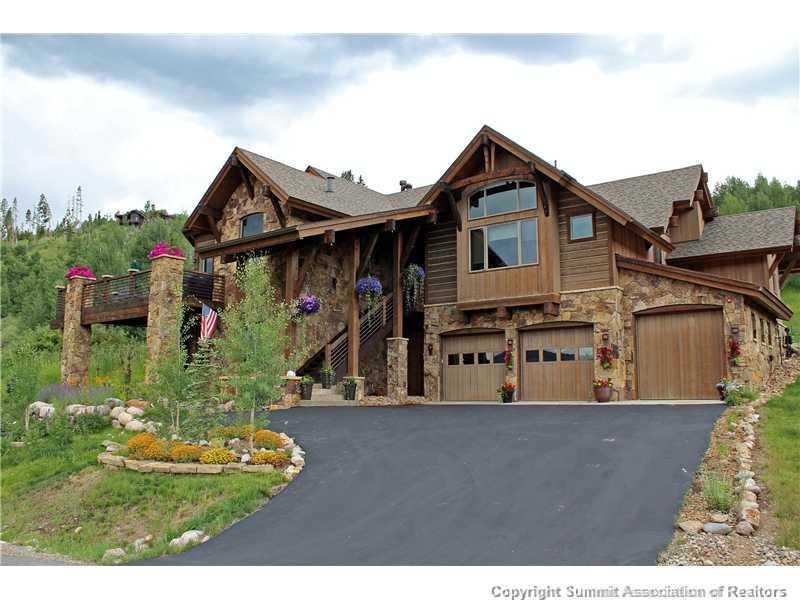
(5, 230)
(348, 175)
(14, 220)
(29, 222)
(43, 216)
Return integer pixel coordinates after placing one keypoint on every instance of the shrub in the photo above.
(185, 453)
(717, 493)
(264, 438)
(89, 423)
(158, 450)
(227, 432)
(279, 460)
(217, 456)
(140, 441)
(50, 437)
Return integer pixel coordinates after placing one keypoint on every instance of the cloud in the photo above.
(136, 118)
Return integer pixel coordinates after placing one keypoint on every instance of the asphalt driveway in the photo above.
(484, 485)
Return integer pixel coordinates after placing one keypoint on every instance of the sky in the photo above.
(132, 118)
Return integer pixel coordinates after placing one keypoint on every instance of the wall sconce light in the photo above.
(430, 349)
(605, 336)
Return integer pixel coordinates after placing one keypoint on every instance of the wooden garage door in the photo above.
(474, 366)
(679, 355)
(557, 364)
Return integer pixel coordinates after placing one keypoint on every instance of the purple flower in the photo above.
(162, 248)
(419, 273)
(369, 286)
(308, 304)
(80, 272)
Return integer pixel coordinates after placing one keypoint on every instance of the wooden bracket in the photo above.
(453, 207)
(775, 262)
(788, 270)
(307, 266)
(276, 205)
(412, 240)
(542, 185)
(245, 177)
(214, 229)
(551, 309)
(390, 225)
(367, 258)
(433, 218)
(330, 237)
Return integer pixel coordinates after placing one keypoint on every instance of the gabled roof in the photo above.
(771, 229)
(649, 198)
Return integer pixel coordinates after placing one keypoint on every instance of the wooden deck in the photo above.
(124, 300)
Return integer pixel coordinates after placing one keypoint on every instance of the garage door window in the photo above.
(586, 353)
(468, 358)
(568, 354)
(484, 358)
(532, 356)
(549, 354)
(499, 358)
(452, 360)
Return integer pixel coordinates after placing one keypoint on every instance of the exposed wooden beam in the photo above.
(307, 266)
(433, 218)
(451, 200)
(543, 186)
(397, 292)
(245, 177)
(214, 213)
(775, 262)
(788, 270)
(292, 262)
(276, 205)
(390, 225)
(214, 229)
(511, 172)
(492, 154)
(551, 309)
(330, 237)
(367, 258)
(486, 159)
(412, 240)
(353, 325)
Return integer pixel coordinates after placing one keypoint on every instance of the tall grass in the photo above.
(717, 493)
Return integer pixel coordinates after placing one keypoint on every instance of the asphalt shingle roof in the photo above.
(649, 198)
(347, 197)
(771, 228)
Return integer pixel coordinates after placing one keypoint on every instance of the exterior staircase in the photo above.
(330, 397)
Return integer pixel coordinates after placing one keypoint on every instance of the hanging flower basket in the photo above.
(370, 289)
(80, 272)
(734, 351)
(304, 306)
(606, 357)
(164, 249)
(413, 284)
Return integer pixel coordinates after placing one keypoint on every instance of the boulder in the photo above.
(114, 402)
(117, 411)
(135, 411)
(752, 515)
(717, 528)
(245, 458)
(717, 517)
(690, 526)
(744, 528)
(116, 424)
(140, 544)
(134, 426)
(102, 410)
(75, 409)
(753, 488)
(138, 403)
(113, 554)
(193, 536)
(749, 496)
(744, 475)
(125, 418)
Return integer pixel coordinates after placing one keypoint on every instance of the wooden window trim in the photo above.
(241, 224)
(577, 213)
(483, 186)
(485, 227)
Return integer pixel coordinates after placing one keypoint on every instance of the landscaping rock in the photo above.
(749, 483)
(298, 461)
(17, 444)
(102, 410)
(124, 418)
(183, 468)
(688, 526)
(202, 443)
(116, 424)
(135, 411)
(245, 458)
(717, 528)
(113, 554)
(753, 488)
(151, 427)
(227, 406)
(744, 528)
(231, 467)
(749, 496)
(717, 517)
(114, 402)
(277, 489)
(744, 475)
(257, 468)
(752, 515)
(110, 445)
(140, 544)
(77, 530)
(193, 536)
(161, 467)
(117, 411)
(134, 426)
(209, 469)
(75, 409)
(138, 403)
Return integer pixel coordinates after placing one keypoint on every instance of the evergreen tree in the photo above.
(348, 175)
(43, 216)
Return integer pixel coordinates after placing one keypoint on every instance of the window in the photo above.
(484, 358)
(763, 331)
(586, 353)
(769, 331)
(504, 245)
(581, 227)
(754, 325)
(468, 358)
(501, 198)
(207, 265)
(568, 354)
(532, 356)
(252, 224)
(549, 354)
(452, 360)
(499, 358)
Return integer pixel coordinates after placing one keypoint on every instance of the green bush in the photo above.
(89, 423)
(717, 493)
(49, 437)
(742, 395)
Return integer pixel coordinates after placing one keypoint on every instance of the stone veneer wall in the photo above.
(601, 307)
(77, 338)
(644, 291)
(166, 288)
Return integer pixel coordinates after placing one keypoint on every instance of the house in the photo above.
(531, 276)
(138, 217)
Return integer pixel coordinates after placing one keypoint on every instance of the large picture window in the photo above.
(501, 198)
(504, 245)
(252, 224)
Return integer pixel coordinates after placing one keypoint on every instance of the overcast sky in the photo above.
(136, 118)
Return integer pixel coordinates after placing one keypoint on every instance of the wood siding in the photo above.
(472, 382)
(440, 263)
(560, 379)
(754, 269)
(583, 264)
(690, 225)
(679, 355)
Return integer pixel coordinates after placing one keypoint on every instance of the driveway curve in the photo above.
(483, 485)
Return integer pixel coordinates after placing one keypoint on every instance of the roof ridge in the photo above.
(758, 210)
(645, 175)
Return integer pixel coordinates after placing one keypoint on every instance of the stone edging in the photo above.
(747, 509)
(113, 461)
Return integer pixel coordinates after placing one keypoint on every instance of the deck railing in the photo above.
(370, 321)
(204, 287)
(58, 322)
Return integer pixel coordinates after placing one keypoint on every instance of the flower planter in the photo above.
(507, 397)
(602, 394)
(350, 391)
(327, 380)
(306, 389)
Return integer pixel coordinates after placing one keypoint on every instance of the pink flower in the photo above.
(80, 272)
(162, 248)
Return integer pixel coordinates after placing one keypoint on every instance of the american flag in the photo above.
(208, 322)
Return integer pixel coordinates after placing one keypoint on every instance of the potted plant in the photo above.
(506, 392)
(370, 289)
(304, 306)
(413, 284)
(603, 389)
(306, 387)
(326, 374)
(350, 386)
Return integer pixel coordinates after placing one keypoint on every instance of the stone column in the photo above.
(166, 288)
(397, 369)
(77, 338)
